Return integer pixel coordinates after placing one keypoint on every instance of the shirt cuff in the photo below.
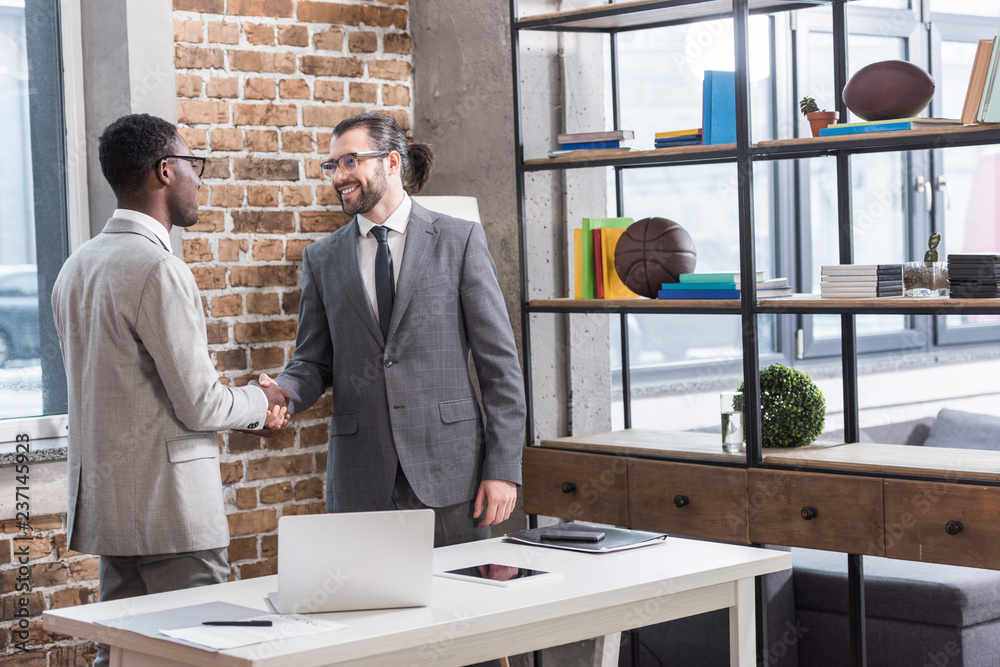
(260, 409)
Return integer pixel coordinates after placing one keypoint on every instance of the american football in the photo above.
(888, 89)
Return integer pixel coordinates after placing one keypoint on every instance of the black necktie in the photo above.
(385, 286)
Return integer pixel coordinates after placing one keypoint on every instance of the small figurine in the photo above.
(932, 243)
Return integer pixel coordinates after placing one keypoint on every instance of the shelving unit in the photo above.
(629, 455)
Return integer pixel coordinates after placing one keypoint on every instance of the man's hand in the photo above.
(499, 496)
(277, 407)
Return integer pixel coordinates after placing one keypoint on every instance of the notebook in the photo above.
(354, 560)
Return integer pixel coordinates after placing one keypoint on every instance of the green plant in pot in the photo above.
(818, 118)
(792, 408)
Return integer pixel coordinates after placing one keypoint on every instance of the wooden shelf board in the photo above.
(645, 442)
(795, 303)
(616, 156)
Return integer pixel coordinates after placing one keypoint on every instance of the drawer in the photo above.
(816, 511)
(571, 485)
(919, 516)
(689, 499)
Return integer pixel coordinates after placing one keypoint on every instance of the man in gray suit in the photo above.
(145, 401)
(393, 305)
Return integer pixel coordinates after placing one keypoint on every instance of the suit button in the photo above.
(388, 362)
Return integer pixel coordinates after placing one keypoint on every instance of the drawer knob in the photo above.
(568, 487)
(808, 513)
(953, 527)
(680, 501)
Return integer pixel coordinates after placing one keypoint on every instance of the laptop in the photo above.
(354, 560)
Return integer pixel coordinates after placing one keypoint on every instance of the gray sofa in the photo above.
(917, 614)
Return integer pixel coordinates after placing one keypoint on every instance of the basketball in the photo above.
(653, 251)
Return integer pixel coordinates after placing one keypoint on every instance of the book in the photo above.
(584, 154)
(718, 108)
(885, 126)
(699, 294)
(761, 284)
(589, 287)
(615, 539)
(577, 263)
(591, 145)
(598, 265)
(581, 137)
(977, 81)
(678, 133)
(677, 141)
(614, 288)
(719, 277)
(991, 110)
(991, 74)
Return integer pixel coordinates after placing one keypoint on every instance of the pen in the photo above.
(253, 624)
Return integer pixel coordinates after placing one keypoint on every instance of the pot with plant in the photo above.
(818, 119)
(792, 408)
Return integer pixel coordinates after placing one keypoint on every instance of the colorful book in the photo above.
(699, 294)
(599, 281)
(582, 137)
(577, 263)
(614, 288)
(761, 284)
(977, 81)
(885, 126)
(677, 133)
(913, 120)
(718, 108)
(720, 277)
(591, 145)
(588, 289)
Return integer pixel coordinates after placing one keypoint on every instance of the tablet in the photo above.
(497, 574)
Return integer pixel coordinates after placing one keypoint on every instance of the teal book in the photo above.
(589, 286)
(690, 286)
(719, 277)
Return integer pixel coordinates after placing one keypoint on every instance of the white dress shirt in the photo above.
(150, 223)
(367, 246)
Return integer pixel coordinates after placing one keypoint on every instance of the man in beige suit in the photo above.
(145, 403)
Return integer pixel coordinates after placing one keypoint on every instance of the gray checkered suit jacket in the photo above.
(145, 401)
(410, 398)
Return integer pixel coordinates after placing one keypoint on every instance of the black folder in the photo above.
(615, 539)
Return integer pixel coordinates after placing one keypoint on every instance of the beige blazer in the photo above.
(145, 402)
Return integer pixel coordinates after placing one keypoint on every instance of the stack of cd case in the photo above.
(974, 275)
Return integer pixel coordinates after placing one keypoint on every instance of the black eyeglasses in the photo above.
(197, 162)
(349, 162)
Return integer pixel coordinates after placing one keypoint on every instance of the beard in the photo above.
(367, 197)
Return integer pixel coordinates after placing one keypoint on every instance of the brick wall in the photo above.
(260, 85)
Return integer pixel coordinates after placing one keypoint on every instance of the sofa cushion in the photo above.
(897, 589)
(966, 430)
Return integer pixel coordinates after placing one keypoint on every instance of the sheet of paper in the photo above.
(221, 637)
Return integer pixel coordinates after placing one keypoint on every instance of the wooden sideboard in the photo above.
(913, 503)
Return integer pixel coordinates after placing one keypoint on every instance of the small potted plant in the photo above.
(792, 408)
(817, 119)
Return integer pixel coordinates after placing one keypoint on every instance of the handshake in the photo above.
(277, 407)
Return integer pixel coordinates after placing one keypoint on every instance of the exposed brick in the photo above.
(195, 138)
(293, 35)
(264, 276)
(394, 70)
(224, 32)
(263, 304)
(246, 498)
(364, 93)
(304, 508)
(197, 250)
(293, 141)
(290, 302)
(218, 333)
(326, 195)
(383, 16)
(223, 87)
(362, 42)
(394, 42)
(217, 167)
(324, 139)
(228, 196)
(312, 167)
(309, 489)
(262, 195)
(243, 548)
(264, 568)
(243, 442)
(276, 493)
(296, 195)
(323, 221)
(188, 85)
(69, 597)
(10, 604)
(196, 57)
(293, 89)
(283, 440)
(254, 521)
(327, 116)
(209, 221)
(268, 546)
(294, 248)
(327, 66)
(231, 471)
(229, 249)
(24, 659)
(395, 96)
(202, 112)
(328, 12)
(281, 9)
(262, 61)
(86, 569)
(259, 34)
(279, 466)
(268, 250)
(231, 360)
(38, 546)
(203, 196)
(47, 522)
(401, 116)
(314, 435)
(262, 141)
(264, 169)
(205, 6)
(328, 91)
(75, 655)
(265, 114)
(267, 357)
(329, 40)
(263, 222)
(39, 636)
(209, 277)
(264, 332)
(320, 460)
(189, 31)
(4, 551)
(48, 574)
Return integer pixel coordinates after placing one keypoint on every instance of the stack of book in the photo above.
(982, 97)
(974, 276)
(591, 141)
(594, 244)
(678, 138)
(861, 281)
(725, 285)
(894, 125)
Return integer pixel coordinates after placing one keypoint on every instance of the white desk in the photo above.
(468, 622)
